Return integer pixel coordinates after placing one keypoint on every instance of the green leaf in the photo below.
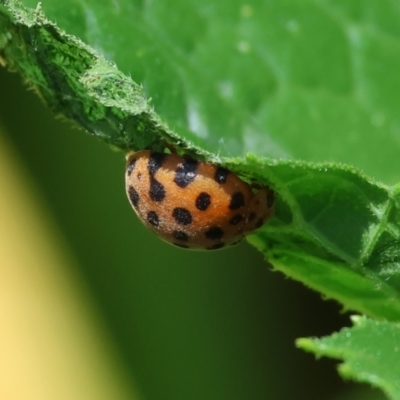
(298, 80)
(75, 80)
(269, 88)
(339, 236)
(370, 350)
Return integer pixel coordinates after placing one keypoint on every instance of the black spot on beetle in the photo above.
(133, 196)
(182, 216)
(252, 216)
(259, 223)
(152, 218)
(216, 246)
(236, 219)
(221, 174)
(157, 191)
(214, 233)
(131, 166)
(203, 201)
(237, 201)
(180, 235)
(186, 172)
(156, 161)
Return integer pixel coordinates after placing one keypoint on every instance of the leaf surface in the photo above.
(370, 351)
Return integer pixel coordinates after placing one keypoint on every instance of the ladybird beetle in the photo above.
(193, 204)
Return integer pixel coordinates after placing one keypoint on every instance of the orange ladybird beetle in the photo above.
(193, 204)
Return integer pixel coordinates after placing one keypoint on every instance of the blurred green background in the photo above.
(188, 325)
